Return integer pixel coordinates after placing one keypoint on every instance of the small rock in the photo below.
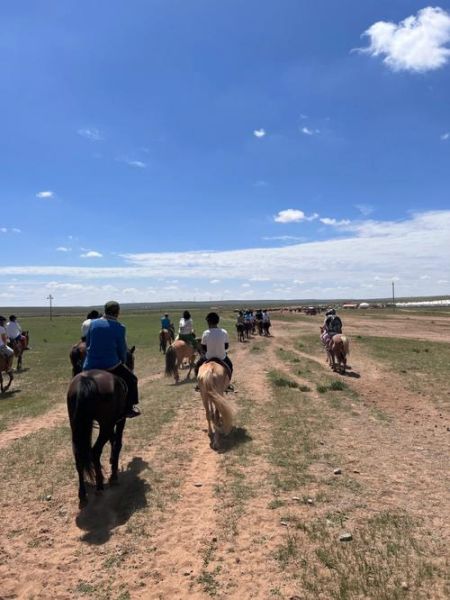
(322, 443)
(198, 484)
(48, 497)
(238, 560)
(310, 501)
(214, 539)
(284, 523)
(356, 471)
(404, 585)
(448, 428)
(345, 537)
(187, 573)
(337, 471)
(296, 498)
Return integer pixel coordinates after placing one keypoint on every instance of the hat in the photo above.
(330, 312)
(112, 307)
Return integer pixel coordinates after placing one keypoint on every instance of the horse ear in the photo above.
(132, 349)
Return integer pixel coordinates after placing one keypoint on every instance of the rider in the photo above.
(106, 348)
(186, 329)
(14, 331)
(94, 314)
(166, 323)
(214, 343)
(332, 325)
(5, 350)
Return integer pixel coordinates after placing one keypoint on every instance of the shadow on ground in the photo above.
(115, 506)
(237, 437)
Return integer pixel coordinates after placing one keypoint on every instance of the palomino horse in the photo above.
(19, 346)
(175, 355)
(165, 338)
(97, 396)
(338, 348)
(213, 380)
(6, 367)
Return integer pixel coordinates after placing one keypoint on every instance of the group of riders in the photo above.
(11, 339)
(249, 321)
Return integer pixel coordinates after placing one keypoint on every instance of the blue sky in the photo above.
(172, 150)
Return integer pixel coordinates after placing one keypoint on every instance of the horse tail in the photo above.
(224, 408)
(171, 361)
(346, 343)
(81, 420)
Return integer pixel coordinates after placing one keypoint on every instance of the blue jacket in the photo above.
(165, 322)
(106, 344)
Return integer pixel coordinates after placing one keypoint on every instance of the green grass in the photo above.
(280, 380)
(423, 365)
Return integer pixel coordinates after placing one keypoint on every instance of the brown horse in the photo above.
(176, 353)
(6, 364)
(97, 396)
(77, 356)
(165, 338)
(19, 346)
(213, 380)
(338, 348)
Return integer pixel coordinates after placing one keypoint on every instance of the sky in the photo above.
(165, 150)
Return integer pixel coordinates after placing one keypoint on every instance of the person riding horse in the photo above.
(94, 314)
(106, 349)
(214, 344)
(167, 324)
(186, 329)
(5, 350)
(331, 326)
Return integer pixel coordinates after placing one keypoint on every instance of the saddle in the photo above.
(222, 363)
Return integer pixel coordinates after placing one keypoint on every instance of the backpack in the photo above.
(334, 324)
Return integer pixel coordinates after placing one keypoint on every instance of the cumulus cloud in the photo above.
(214, 281)
(419, 43)
(334, 222)
(45, 194)
(91, 254)
(90, 133)
(63, 249)
(293, 215)
(284, 238)
(445, 136)
(259, 133)
(136, 163)
(3, 230)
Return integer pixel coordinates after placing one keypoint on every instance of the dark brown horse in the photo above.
(240, 329)
(6, 367)
(19, 346)
(165, 338)
(77, 356)
(97, 396)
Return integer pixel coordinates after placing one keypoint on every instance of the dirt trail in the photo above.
(29, 425)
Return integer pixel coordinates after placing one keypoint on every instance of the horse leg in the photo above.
(82, 495)
(19, 362)
(116, 447)
(96, 454)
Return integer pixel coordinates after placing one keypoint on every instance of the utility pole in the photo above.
(50, 299)
(393, 295)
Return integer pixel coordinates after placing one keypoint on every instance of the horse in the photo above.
(248, 325)
(6, 367)
(165, 338)
(266, 325)
(213, 380)
(259, 326)
(240, 329)
(100, 396)
(19, 346)
(175, 355)
(77, 356)
(338, 348)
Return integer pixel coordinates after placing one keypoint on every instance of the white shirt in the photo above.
(186, 326)
(13, 329)
(2, 332)
(85, 327)
(265, 317)
(215, 339)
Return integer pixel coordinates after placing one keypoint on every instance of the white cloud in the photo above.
(308, 131)
(245, 285)
(16, 230)
(90, 133)
(259, 133)
(214, 281)
(334, 222)
(63, 249)
(91, 254)
(3, 229)
(445, 136)
(372, 253)
(284, 238)
(260, 183)
(45, 194)
(136, 163)
(424, 277)
(293, 215)
(418, 43)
